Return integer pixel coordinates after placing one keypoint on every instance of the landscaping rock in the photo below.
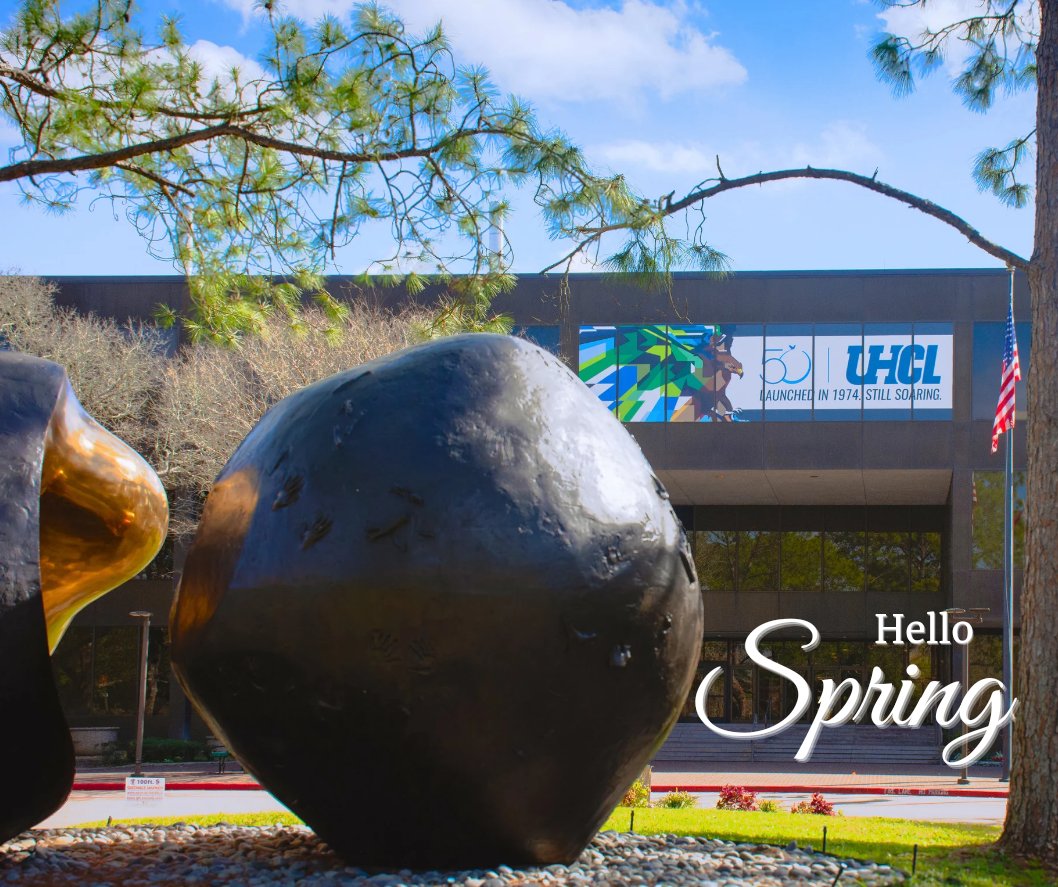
(123, 856)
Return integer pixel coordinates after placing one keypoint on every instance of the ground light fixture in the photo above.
(975, 616)
(145, 628)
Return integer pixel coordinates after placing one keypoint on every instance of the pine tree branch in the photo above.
(43, 90)
(928, 207)
(104, 159)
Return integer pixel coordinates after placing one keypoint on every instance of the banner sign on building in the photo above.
(782, 372)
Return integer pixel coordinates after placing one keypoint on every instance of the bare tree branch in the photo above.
(928, 207)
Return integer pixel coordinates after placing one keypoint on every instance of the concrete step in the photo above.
(853, 743)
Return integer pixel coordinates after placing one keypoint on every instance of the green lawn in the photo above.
(276, 818)
(948, 853)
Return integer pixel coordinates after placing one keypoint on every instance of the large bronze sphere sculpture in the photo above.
(80, 513)
(441, 608)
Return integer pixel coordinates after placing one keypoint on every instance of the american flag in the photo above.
(1004, 420)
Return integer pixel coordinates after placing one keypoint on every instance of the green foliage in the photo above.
(155, 751)
(638, 795)
(678, 800)
(735, 797)
(769, 806)
(1001, 39)
(251, 179)
(115, 754)
(242, 820)
(949, 853)
(167, 751)
(818, 805)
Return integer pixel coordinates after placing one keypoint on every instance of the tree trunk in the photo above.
(1032, 813)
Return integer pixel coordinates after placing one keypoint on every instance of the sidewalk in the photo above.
(196, 775)
(906, 779)
(667, 776)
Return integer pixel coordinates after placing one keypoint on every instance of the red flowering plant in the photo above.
(818, 805)
(736, 797)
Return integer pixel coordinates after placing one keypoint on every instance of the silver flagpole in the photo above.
(1008, 602)
(1008, 582)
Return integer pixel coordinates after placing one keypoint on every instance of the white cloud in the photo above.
(669, 157)
(548, 50)
(218, 61)
(840, 144)
(913, 21)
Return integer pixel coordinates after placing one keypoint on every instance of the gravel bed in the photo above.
(223, 854)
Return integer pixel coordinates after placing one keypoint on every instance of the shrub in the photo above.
(211, 396)
(735, 797)
(819, 805)
(638, 795)
(769, 806)
(678, 800)
(114, 754)
(114, 369)
(169, 750)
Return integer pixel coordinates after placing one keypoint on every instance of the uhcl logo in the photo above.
(893, 365)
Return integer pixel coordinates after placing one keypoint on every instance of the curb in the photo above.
(843, 790)
(689, 787)
(172, 786)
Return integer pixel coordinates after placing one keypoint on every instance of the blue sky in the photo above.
(655, 90)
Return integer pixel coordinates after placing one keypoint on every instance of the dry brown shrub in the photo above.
(114, 370)
(186, 414)
(211, 396)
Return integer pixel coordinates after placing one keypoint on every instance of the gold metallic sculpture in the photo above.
(103, 514)
(80, 513)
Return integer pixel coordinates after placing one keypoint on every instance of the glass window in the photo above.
(988, 502)
(97, 671)
(71, 665)
(889, 659)
(988, 363)
(777, 696)
(986, 658)
(742, 693)
(714, 701)
(788, 653)
(845, 653)
(758, 560)
(801, 560)
(715, 557)
(922, 656)
(925, 561)
(844, 557)
(714, 651)
(887, 561)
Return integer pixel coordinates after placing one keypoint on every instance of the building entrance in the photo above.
(750, 694)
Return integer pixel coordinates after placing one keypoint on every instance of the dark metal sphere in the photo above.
(440, 606)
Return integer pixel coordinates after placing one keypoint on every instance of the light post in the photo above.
(145, 629)
(975, 616)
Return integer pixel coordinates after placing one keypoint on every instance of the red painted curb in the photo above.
(172, 786)
(845, 790)
(775, 789)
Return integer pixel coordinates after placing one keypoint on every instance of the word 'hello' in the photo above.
(981, 708)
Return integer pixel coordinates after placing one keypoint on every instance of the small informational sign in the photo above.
(145, 789)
